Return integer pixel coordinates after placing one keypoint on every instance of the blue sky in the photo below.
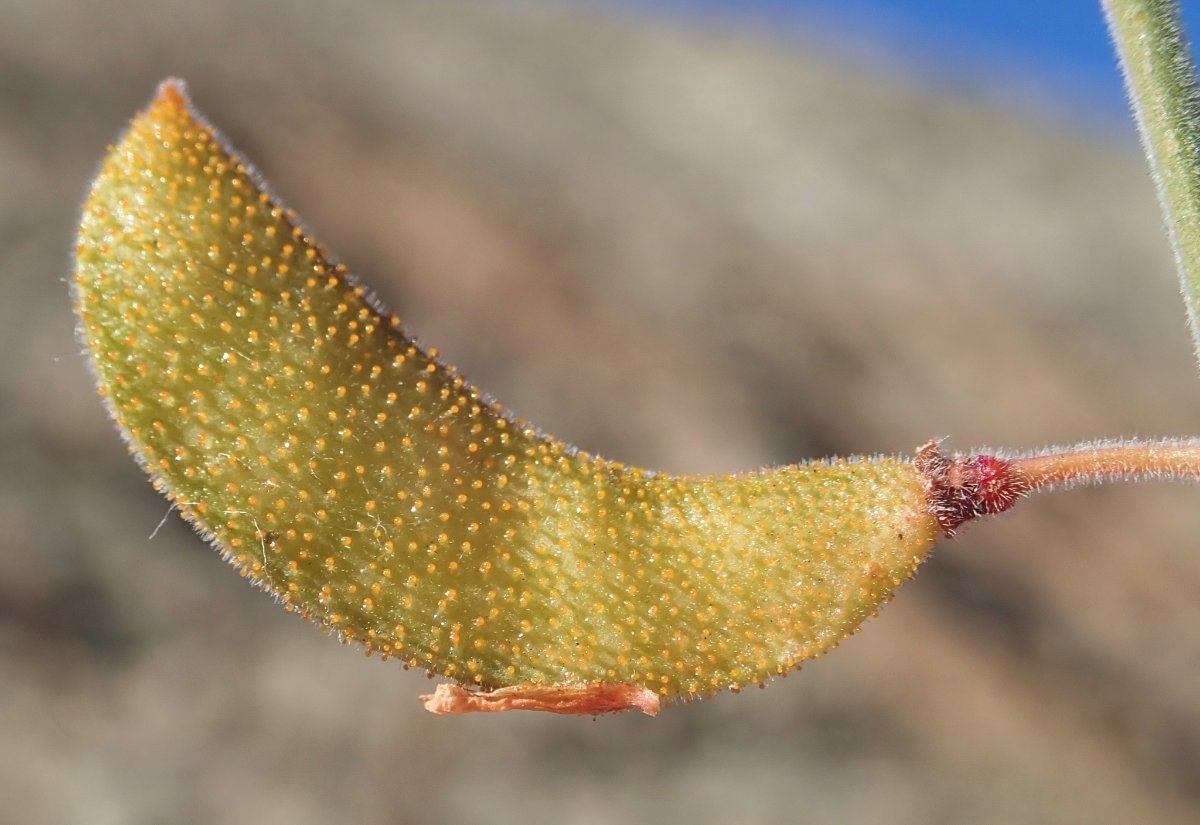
(1052, 54)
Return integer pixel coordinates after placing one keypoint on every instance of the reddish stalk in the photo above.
(963, 487)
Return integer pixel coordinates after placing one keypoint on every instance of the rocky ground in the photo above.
(688, 248)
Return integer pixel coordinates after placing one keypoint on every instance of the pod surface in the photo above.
(370, 488)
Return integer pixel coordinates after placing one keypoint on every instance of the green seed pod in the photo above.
(374, 491)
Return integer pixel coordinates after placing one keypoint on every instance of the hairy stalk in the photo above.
(1103, 462)
(963, 487)
(1161, 82)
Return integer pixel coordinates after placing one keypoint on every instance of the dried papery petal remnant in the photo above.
(370, 488)
(584, 700)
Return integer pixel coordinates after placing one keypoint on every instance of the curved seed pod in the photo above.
(374, 491)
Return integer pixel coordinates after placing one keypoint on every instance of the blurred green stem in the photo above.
(1161, 83)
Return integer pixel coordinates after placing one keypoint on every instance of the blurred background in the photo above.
(695, 236)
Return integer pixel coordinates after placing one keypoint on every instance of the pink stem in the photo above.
(1096, 464)
(963, 487)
